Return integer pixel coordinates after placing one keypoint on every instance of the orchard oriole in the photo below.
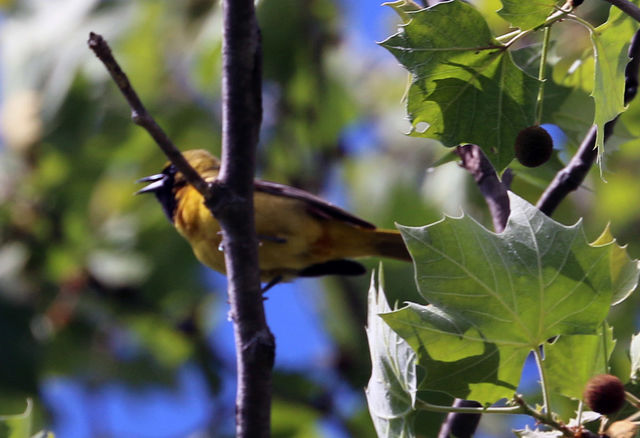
(300, 234)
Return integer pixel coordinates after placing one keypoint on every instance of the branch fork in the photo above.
(230, 199)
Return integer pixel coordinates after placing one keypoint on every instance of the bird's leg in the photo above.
(275, 280)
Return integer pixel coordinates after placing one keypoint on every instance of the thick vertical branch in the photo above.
(232, 201)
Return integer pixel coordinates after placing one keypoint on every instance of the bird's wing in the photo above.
(317, 206)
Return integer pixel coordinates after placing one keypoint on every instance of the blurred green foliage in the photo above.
(96, 285)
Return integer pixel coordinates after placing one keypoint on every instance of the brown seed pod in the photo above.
(604, 394)
(533, 146)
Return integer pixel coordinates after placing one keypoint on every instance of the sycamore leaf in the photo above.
(465, 88)
(536, 433)
(457, 358)
(495, 297)
(555, 94)
(610, 46)
(391, 392)
(527, 14)
(19, 425)
(576, 113)
(624, 272)
(403, 8)
(585, 417)
(572, 360)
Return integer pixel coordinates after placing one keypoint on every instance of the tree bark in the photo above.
(232, 202)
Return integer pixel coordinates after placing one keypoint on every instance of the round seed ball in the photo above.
(604, 394)
(533, 146)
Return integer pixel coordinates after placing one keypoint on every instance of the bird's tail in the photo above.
(389, 243)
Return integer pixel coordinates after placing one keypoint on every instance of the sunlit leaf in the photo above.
(537, 433)
(585, 417)
(555, 94)
(624, 271)
(610, 44)
(572, 360)
(527, 14)
(495, 297)
(17, 426)
(403, 8)
(465, 86)
(391, 391)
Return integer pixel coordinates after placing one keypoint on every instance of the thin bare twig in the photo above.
(230, 199)
(627, 7)
(571, 176)
(139, 114)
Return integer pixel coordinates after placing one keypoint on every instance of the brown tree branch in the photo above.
(241, 118)
(139, 114)
(571, 176)
(230, 199)
(493, 190)
(460, 425)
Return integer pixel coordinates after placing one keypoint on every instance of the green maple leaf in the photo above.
(465, 88)
(610, 46)
(496, 297)
(527, 14)
(572, 360)
(18, 425)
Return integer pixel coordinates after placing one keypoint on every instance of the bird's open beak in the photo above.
(157, 182)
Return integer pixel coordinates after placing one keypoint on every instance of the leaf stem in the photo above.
(580, 410)
(632, 399)
(582, 21)
(519, 407)
(511, 34)
(545, 419)
(541, 73)
(605, 347)
(425, 406)
(543, 381)
(517, 37)
(558, 15)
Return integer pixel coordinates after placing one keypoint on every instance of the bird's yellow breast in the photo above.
(290, 239)
(298, 233)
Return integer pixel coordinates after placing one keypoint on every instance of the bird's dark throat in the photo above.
(165, 191)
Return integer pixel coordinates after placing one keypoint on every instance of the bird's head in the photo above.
(165, 185)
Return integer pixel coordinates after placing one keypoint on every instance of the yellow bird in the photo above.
(300, 235)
